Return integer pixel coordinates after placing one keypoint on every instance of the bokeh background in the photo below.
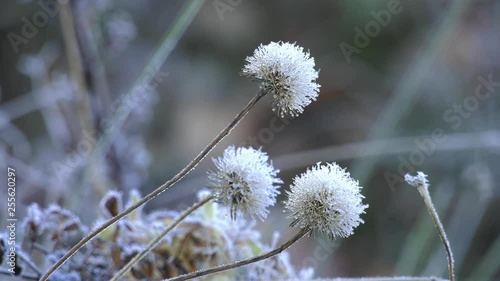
(397, 95)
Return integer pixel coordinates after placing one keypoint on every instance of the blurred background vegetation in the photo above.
(399, 93)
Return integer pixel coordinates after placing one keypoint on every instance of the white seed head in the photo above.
(245, 182)
(287, 72)
(326, 199)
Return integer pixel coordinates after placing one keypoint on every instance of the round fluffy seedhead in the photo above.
(245, 181)
(326, 199)
(286, 72)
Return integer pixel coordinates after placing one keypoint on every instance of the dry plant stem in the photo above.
(41, 249)
(160, 189)
(424, 192)
(83, 110)
(224, 267)
(90, 56)
(76, 67)
(158, 238)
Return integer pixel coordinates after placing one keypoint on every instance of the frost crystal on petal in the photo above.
(326, 199)
(287, 72)
(245, 182)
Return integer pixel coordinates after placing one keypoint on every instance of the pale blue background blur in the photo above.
(411, 74)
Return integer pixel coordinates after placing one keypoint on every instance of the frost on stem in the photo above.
(287, 72)
(326, 199)
(245, 182)
(206, 238)
(420, 182)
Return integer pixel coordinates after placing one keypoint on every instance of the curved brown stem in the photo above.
(158, 238)
(224, 267)
(160, 189)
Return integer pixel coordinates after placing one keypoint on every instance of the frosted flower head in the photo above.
(287, 72)
(245, 182)
(326, 199)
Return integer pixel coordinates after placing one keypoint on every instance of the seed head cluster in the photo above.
(245, 181)
(326, 199)
(287, 72)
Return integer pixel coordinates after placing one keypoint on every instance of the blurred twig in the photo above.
(454, 142)
(168, 43)
(15, 138)
(488, 140)
(92, 64)
(162, 188)
(44, 90)
(25, 104)
(83, 109)
(489, 264)
(406, 91)
(75, 67)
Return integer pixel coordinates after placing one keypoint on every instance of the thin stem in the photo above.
(76, 67)
(92, 61)
(158, 238)
(40, 248)
(160, 189)
(418, 242)
(424, 192)
(83, 109)
(224, 267)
